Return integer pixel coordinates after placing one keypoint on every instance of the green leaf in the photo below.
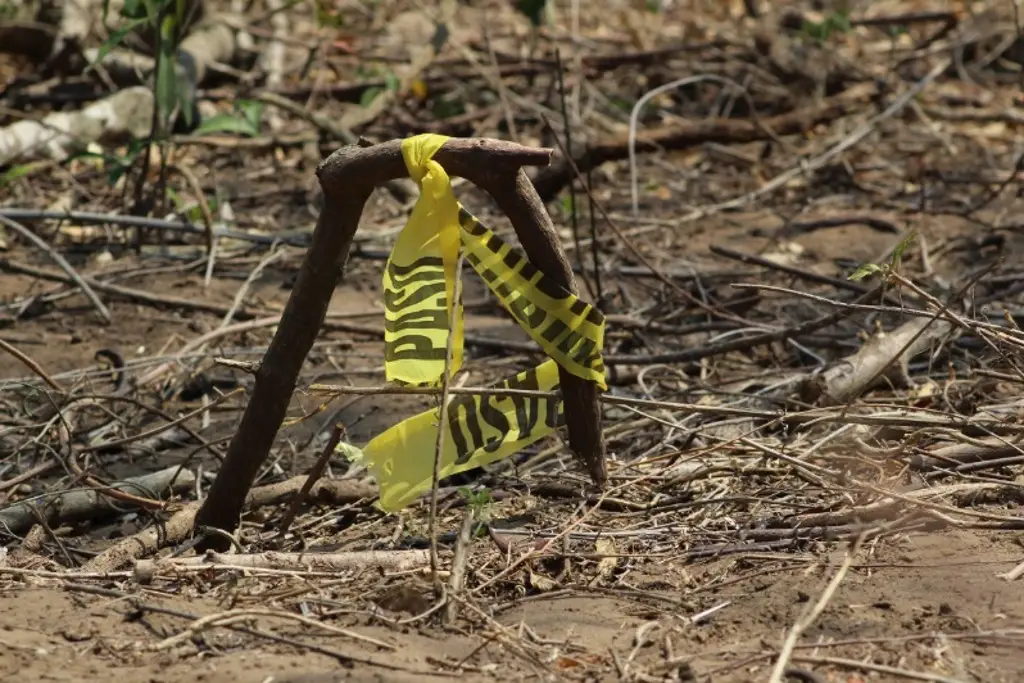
(368, 96)
(175, 198)
(447, 108)
(16, 172)
(135, 147)
(193, 213)
(814, 30)
(252, 110)
(567, 204)
(840, 21)
(392, 82)
(325, 18)
(820, 31)
(118, 167)
(134, 9)
(186, 107)
(901, 248)
(180, 7)
(115, 166)
(166, 90)
(116, 38)
(477, 501)
(440, 37)
(106, 158)
(351, 453)
(227, 123)
(533, 9)
(864, 271)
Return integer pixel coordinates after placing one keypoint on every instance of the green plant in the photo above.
(567, 204)
(533, 10)
(448, 106)
(161, 24)
(538, 12)
(115, 165)
(821, 31)
(885, 270)
(391, 83)
(244, 119)
(328, 18)
(191, 212)
(20, 171)
(479, 502)
(164, 20)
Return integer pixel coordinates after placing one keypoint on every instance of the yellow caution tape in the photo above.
(481, 429)
(419, 284)
(567, 328)
(419, 277)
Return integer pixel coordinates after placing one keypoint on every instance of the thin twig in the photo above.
(245, 615)
(804, 622)
(626, 242)
(204, 211)
(442, 429)
(878, 668)
(458, 576)
(274, 255)
(27, 361)
(314, 474)
(60, 261)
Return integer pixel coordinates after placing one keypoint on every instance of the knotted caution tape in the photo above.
(419, 307)
(419, 277)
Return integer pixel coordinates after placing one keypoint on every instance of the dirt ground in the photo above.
(930, 603)
(717, 533)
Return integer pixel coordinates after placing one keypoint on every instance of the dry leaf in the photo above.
(783, 257)
(606, 565)
(994, 130)
(925, 389)
(541, 582)
(419, 89)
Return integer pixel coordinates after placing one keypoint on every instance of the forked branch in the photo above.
(347, 178)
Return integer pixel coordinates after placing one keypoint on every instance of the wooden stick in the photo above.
(347, 178)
